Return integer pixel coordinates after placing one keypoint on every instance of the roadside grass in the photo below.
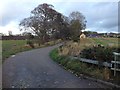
(76, 67)
(11, 47)
(81, 69)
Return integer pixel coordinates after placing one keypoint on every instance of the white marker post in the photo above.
(115, 58)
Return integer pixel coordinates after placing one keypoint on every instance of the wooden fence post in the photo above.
(115, 62)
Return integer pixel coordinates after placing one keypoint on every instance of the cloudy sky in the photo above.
(101, 15)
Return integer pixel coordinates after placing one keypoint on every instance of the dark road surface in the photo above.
(35, 69)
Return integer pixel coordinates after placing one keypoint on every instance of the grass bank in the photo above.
(76, 66)
(79, 68)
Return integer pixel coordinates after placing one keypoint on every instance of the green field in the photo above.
(89, 42)
(107, 41)
(11, 47)
(103, 41)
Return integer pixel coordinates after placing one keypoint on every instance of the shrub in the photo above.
(29, 42)
(99, 53)
(75, 39)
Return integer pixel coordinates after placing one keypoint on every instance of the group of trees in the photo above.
(47, 23)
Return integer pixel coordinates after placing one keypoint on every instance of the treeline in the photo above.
(13, 38)
(96, 34)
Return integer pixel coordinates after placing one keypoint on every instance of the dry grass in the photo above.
(70, 48)
(74, 48)
(106, 73)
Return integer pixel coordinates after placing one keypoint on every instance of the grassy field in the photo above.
(103, 41)
(11, 47)
(107, 41)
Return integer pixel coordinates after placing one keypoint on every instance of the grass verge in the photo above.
(79, 68)
(76, 66)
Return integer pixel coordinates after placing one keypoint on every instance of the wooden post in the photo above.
(115, 65)
(115, 58)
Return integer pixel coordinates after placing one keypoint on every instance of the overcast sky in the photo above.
(101, 15)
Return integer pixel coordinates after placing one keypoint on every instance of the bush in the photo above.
(99, 53)
(75, 39)
(29, 42)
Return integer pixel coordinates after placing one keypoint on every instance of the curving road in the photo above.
(35, 69)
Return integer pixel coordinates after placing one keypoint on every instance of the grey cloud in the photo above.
(108, 13)
(15, 11)
(94, 12)
(110, 23)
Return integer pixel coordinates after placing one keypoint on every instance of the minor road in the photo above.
(35, 69)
